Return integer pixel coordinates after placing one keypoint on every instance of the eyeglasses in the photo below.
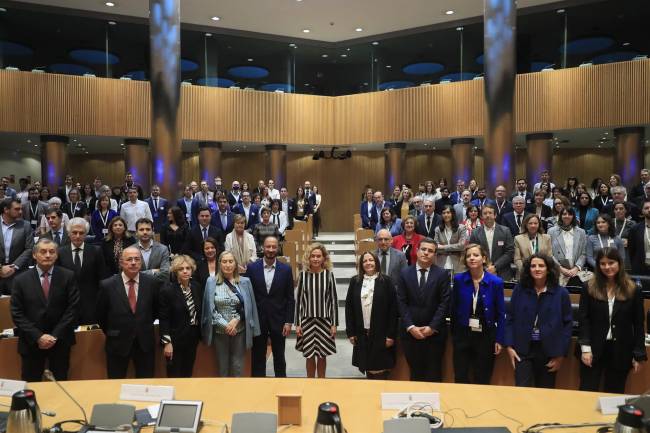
(384, 239)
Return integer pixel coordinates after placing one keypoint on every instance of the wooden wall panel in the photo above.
(427, 165)
(110, 168)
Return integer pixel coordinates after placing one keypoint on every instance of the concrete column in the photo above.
(54, 160)
(275, 164)
(210, 160)
(539, 154)
(462, 159)
(136, 161)
(629, 157)
(395, 160)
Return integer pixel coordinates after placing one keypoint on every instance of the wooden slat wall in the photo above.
(598, 96)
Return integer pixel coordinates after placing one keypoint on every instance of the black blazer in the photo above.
(276, 307)
(627, 328)
(636, 249)
(174, 315)
(121, 327)
(80, 210)
(113, 263)
(509, 220)
(202, 272)
(93, 270)
(20, 252)
(372, 354)
(426, 308)
(194, 241)
(421, 228)
(34, 316)
(48, 235)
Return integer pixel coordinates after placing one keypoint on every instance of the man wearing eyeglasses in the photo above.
(391, 260)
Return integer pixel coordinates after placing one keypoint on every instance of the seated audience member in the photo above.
(44, 306)
(514, 220)
(241, 244)
(389, 221)
(278, 217)
(56, 228)
(538, 343)
(472, 220)
(428, 221)
(158, 208)
(134, 209)
(392, 261)
(559, 204)
(619, 195)
(222, 218)
(206, 267)
(33, 209)
(451, 240)
(101, 217)
(17, 243)
(497, 241)
(87, 263)
(532, 240)
(74, 207)
(638, 245)
(611, 334)
(200, 232)
(264, 229)
(539, 208)
(128, 326)
(250, 211)
(409, 241)
(53, 203)
(603, 237)
(404, 206)
(174, 232)
(463, 204)
(371, 318)
(181, 302)
(443, 201)
(229, 318)
(571, 260)
(115, 241)
(603, 198)
(365, 210)
(502, 205)
(477, 314)
(586, 213)
(155, 256)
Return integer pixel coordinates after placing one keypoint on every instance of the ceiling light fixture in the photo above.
(375, 43)
(293, 45)
(3, 10)
(560, 11)
(109, 4)
(449, 12)
(626, 44)
(358, 29)
(249, 59)
(388, 66)
(112, 23)
(324, 56)
(344, 55)
(215, 18)
(459, 28)
(306, 30)
(208, 35)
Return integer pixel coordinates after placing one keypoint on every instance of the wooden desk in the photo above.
(359, 401)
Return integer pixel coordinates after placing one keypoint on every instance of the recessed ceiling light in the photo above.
(36, 145)
(112, 23)
(215, 18)
(560, 11)
(306, 30)
(434, 147)
(348, 49)
(626, 44)
(344, 55)
(358, 29)
(236, 150)
(605, 133)
(307, 85)
(324, 56)
(208, 35)
(365, 84)
(29, 141)
(388, 66)
(375, 43)
(249, 59)
(459, 29)
(426, 144)
(293, 45)
(109, 4)
(449, 12)
(3, 10)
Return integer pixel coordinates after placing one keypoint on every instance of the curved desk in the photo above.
(358, 399)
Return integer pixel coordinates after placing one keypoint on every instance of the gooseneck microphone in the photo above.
(49, 376)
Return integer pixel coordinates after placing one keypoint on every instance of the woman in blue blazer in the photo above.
(229, 316)
(477, 318)
(539, 322)
(586, 213)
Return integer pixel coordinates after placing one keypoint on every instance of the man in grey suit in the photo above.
(497, 240)
(33, 208)
(392, 260)
(16, 243)
(155, 256)
(461, 207)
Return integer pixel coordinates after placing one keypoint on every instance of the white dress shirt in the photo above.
(489, 236)
(131, 212)
(269, 273)
(81, 253)
(126, 280)
(567, 236)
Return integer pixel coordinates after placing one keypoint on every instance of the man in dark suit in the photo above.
(522, 191)
(288, 206)
(65, 189)
(87, 262)
(185, 203)
(234, 196)
(218, 188)
(155, 256)
(443, 201)
(481, 198)
(638, 190)
(34, 208)
(645, 195)
(380, 203)
(273, 286)
(199, 233)
(16, 243)
(249, 210)
(501, 249)
(503, 206)
(129, 183)
(222, 218)
(619, 194)
(638, 243)
(158, 208)
(428, 221)
(56, 231)
(391, 260)
(538, 207)
(44, 304)
(423, 293)
(126, 309)
(456, 195)
(513, 220)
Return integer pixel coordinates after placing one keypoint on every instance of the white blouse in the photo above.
(367, 294)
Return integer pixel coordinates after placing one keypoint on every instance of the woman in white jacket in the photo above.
(241, 243)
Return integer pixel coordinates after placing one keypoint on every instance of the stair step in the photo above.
(335, 237)
(344, 272)
(343, 258)
(340, 248)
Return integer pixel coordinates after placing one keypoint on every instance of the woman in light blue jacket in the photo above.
(229, 316)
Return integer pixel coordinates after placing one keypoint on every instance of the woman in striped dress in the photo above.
(316, 310)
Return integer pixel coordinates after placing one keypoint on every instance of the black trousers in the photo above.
(258, 355)
(117, 365)
(473, 353)
(182, 362)
(614, 378)
(58, 362)
(532, 371)
(316, 223)
(424, 357)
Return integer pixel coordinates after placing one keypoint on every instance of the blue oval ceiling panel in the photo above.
(458, 76)
(617, 56)
(588, 45)
(188, 65)
(94, 57)
(137, 75)
(480, 59)
(215, 82)
(423, 68)
(13, 49)
(70, 69)
(287, 88)
(248, 72)
(395, 85)
(538, 66)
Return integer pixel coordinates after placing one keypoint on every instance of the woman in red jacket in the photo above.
(409, 241)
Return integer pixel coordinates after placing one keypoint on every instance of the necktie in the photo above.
(155, 204)
(132, 299)
(384, 257)
(518, 220)
(423, 279)
(77, 258)
(46, 284)
(224, 221)
(275, 219)
(428, 223)
(57, 238)
(205, 233)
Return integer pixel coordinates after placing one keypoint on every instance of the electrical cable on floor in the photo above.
(520, 425)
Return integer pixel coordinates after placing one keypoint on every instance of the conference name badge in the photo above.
(475, 324)
(105, 231)
(33, 222)
(500, 243)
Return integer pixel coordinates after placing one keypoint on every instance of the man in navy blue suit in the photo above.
(514, 220)
(273, 286)
(378, 197)
(158, 208)
(428, 221)
(222, 218)
(249, 210)
(185, 203)
(423, 293)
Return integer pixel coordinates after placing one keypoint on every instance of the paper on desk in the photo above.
(153, 410)
(609, 405)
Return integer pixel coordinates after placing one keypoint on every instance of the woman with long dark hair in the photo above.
(586, 213)
(451, 240)
(603, 237)
(101, 217)
(611, 335)
(173, 233)
(115, 241)
(604, 198)
(389, 221)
